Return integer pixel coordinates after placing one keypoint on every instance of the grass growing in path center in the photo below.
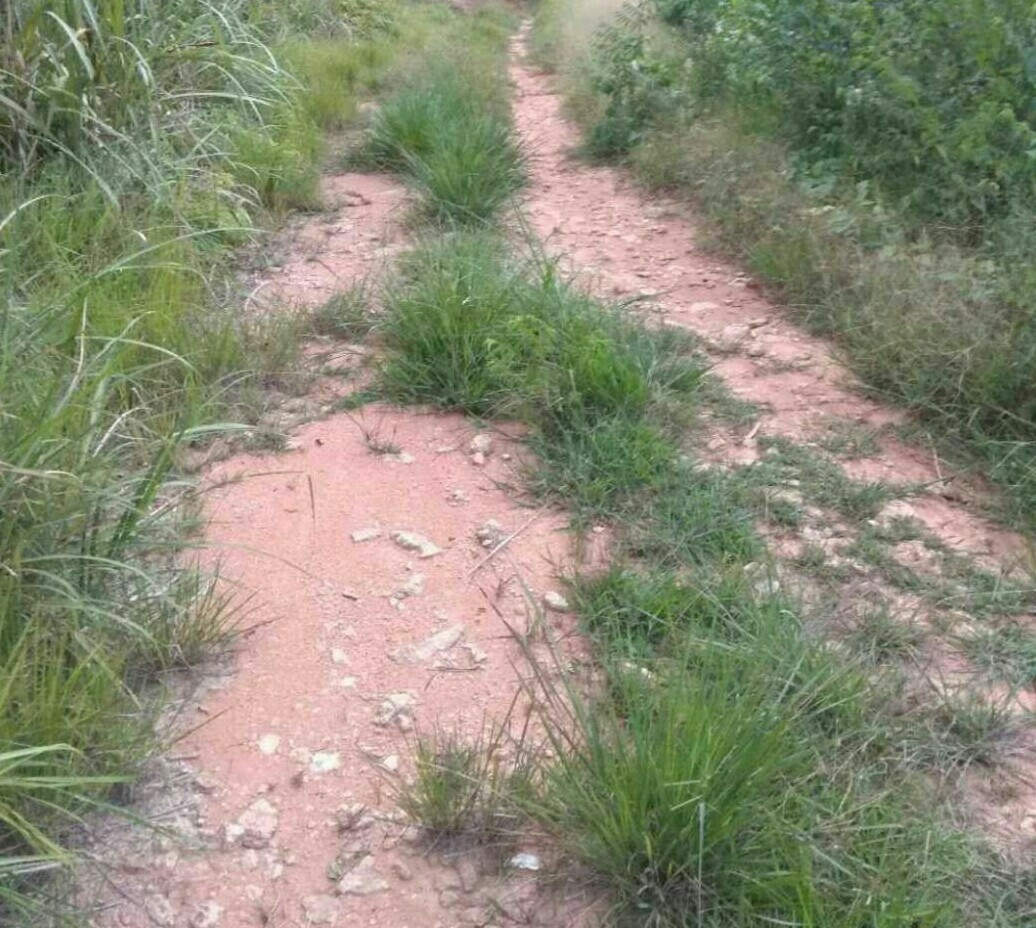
(470, 327)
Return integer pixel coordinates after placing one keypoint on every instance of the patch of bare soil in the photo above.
(385, 568)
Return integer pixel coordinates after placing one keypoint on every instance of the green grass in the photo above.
(447, 134)
(161, 137)
(925, 284)
(470, 328)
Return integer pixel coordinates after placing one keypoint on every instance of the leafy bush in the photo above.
(931, 101)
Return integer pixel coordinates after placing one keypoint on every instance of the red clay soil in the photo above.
(363, 637)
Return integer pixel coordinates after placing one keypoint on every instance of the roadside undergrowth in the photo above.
(882, 207)
(740, 761)
(141, 146)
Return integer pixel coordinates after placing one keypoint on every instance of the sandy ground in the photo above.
(281, 800)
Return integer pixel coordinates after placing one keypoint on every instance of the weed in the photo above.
(822, 480)
(344, 316)
(881, 636)
(1004, 652)
(468, 787)
(966, 727)
(850, 439)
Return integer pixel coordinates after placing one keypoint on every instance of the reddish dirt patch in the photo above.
(358, 644)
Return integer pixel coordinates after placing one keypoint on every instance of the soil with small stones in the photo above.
(381, 601)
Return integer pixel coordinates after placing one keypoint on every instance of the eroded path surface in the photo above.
(281, 801)
(375, 566)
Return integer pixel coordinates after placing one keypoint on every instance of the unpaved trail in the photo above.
(283, 805)
(626, 243)
(283, 800)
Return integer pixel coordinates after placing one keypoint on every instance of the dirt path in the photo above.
(281, 805)
(626, 243)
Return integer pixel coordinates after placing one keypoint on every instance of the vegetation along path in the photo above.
(672, 626)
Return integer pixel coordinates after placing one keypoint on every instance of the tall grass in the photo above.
(139, 143)
(469, 327)
(449, 130)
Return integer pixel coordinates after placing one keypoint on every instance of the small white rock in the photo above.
(554, 601)
(411, 541)
(325, 761)
(338, 656)
(481, 444)
(320, 909)
(207, 915)
(366, 534)
(478, 459)
(390, 763)
(398, 708)
(269, 744)
(258, 824)
(414, 586)
(525, 861)
(362, 880)
(440, 641)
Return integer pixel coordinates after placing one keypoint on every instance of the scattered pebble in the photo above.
(491, 534)
(481, 444)
(353, 817)
(414, 586)
(338, 656)
(402, 871)
(525, 861)
(362, 880)
(555, 602)
(440, 641)
(478, 459)
(366, 534)
(255, 827)
(207, 915)
(320, 909)
(269, 744)
(325, 761)
(398, 708)
(390, 763)
(458, 496)
(411, 541)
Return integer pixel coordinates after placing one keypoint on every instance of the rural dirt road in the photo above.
(362, 553)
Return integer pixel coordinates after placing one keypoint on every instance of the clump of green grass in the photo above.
(881, 636)
(458, 150)
(469, 328)
(725, 783)
(1006, 652)
(967, 727)
(345, 315)
(469, 787)
(822, 480)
